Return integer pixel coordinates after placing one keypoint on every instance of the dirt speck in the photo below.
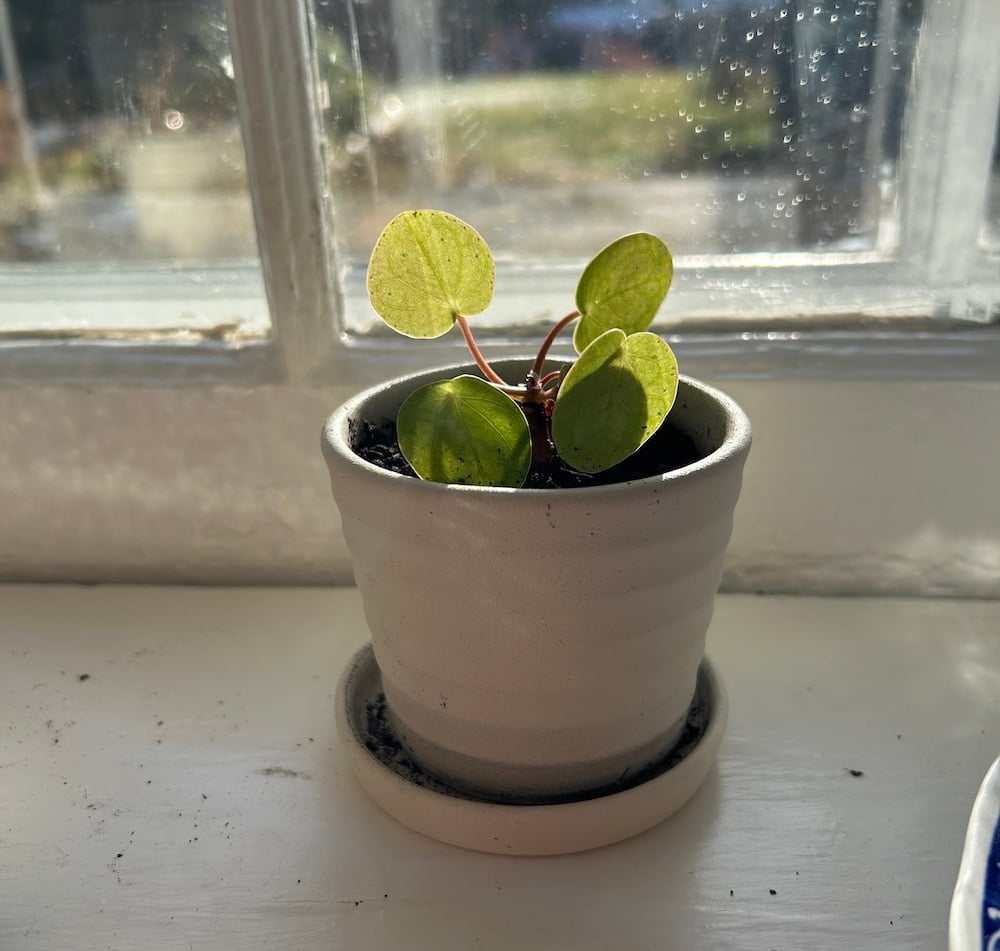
(82, 677)
(282, 771)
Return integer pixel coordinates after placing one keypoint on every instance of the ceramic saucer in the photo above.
(587, 821)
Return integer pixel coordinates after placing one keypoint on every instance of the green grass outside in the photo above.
(566, 127)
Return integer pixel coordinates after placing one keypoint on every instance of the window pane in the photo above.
(727, 126)
(121, 162)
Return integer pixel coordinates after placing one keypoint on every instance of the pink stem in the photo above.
(550, 339)
(477, 354)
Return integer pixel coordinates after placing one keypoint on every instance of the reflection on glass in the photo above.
(724, 125)
(119, 138)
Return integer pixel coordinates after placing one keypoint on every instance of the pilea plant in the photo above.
(430, 271)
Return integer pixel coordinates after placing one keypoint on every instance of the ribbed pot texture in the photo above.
(538, 644)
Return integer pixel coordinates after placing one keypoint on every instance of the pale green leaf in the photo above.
(428, 268)
(613, 399)
(622, 287)
(465, 431)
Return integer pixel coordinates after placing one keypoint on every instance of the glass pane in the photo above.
(726, 126)
(121, 156)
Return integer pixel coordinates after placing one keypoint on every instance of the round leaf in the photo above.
(622, 288)
(427, 268)
(465, 431)
(613, 399)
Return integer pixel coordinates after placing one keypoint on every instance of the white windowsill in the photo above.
(190, 791)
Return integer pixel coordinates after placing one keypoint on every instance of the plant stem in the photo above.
(477, 354)
(550, 339)
(542, 449)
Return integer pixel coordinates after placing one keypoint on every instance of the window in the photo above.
(826, 173)
(790, 152)
(123, 187)
(799, 157)
(734, 127)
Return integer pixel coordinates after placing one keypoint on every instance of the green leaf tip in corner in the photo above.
(613, 399)
(465, 431)
(622, 287)
(427, 268)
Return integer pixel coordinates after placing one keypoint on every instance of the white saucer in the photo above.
(428, 806)
(975, 905)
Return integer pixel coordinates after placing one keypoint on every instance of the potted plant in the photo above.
(537, 542)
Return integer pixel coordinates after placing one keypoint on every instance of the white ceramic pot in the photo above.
(539, 643)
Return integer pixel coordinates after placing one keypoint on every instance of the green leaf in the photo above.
(427, 268)
(613, 399)
(622, 287)
(465, 431)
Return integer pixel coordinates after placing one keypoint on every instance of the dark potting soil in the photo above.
(381, 741)
(668, 449)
